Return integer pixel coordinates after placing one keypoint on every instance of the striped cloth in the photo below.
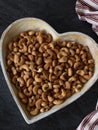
(87, 10)
(90, 122)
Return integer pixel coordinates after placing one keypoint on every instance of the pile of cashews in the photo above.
(47, 72)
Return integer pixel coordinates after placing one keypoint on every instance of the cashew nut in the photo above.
(34, 112)
(58, 102)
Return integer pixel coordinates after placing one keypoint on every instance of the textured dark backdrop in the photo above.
(62, 17)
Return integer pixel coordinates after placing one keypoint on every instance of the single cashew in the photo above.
(39, 91)
(10, 46)
(38, 79)
(45, 87)
(45, 74)
(40, 70)
(51, 69)
(24, 100)
(31, 57)
(50, 52)
(16, 49)
(67, 85)
(62, 95)
(56, 50)
(70, 72)
(61, 82)
(37, 45)
(41, 48)
(58, 69)
(48, 60)
(54, 62)
(55, 95)
(34, 53)
(42, 110)
(79, 86)
(14, 71)
(47, 108)
(83, 56)
(76, 64)
(39, 61)
(38, 103)
(31, 102)
(28, 39)
(72, 79)
(77, 58)
(27, 92)
(29, 81)
(40, 39)
(87, 77)
(50, 86)
(23, 34)
(70, 62)
(65, 49)
(9, 62)
(16, 58)
(82, 52)
(85, 48)
(77, 51)
(32, 66)
(30, 88)
(63, 59)
(58, 102)
(28, 108)
(35, 89)
(46, 66)
(44, 96)
(45, 54)
(25, 77)
(14, 79)
(34, 112)
(50, 98)
(51, 104)
(75, 89)
(72, 52)
(56, 90)
(43, 104)
(80, 72)
(21, 95)
(68, 93)
(82, 79)
(51, 45)
(69, 44)
(49, 38)
(30, 48)
(56, 86)
(25, 67)
(31, 33)
(23, 49)
(21, 81)
(50, 77)
(90, 61)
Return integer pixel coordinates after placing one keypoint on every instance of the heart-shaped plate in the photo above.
(37, 24)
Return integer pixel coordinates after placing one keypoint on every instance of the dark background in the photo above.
(62, 17)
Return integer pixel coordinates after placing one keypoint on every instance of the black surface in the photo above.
(62, 17)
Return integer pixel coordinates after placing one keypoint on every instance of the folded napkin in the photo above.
(87, 10)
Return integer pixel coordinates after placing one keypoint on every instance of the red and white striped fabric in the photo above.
(87, 10)
(90, 122)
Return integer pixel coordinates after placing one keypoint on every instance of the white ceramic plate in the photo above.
(37, 24)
